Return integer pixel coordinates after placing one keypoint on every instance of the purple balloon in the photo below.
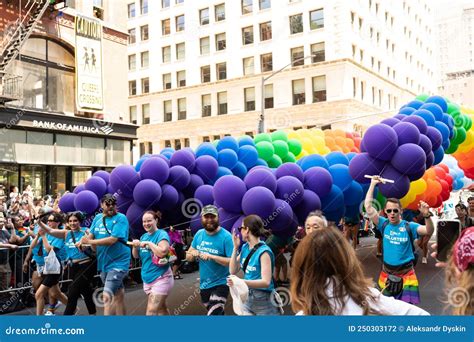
(206, 167)
(290, 169)
(309, 203)
(195, 224)
(429, 160)
(86, 201)
(124, 178)
(281, 217)
(319, 180)
(258, 201)
(195, 183)
(135, 220)
(400, 186)
(169, 197)
(425, 144)
(179, 177)
(407, 133)
(166, 160)
(103, 174)
(123, 203)
(400, 116)
(227, 218)
(409, 159)
(110, 189)
(155, 168)
(147, 193)
(66, 203)
(290, 189)
(183, 158)
(237, 224)
(390, 122)
(228, 192)
(97, 185)
(261, 177)
(381, 141)
(414, 176)
(79, 188)
(204, 195)
(363, 164)
(418, 122)
(435, 136)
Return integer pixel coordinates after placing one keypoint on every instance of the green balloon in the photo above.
(290, 158)
(381, 199)
(422, 97)
(295, 146)
(262, 137)
(452, 107)
(279, 135)
(467, 123)
(460, 135)
(452, 148)
(274, 161)
(281, 148)
(458, 121)
(265, 150)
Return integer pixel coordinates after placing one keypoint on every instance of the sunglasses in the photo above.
(240, 228)
(52, 220)
(389, 211)
(109, 203)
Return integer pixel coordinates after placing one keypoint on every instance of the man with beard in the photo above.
(213, 247)
(109, 234)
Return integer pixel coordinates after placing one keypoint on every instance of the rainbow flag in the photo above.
(410, 292)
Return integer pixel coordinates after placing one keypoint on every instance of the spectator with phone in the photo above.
(398, 278)
(462, 216)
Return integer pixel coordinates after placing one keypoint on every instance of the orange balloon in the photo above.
(349, 135)
(339, 133)
(350, 143)
(329, 141)
(341, 141)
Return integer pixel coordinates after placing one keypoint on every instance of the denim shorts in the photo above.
(261, 303)
(113, 280)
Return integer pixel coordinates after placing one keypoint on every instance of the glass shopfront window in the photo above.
(118, 152)
(9, 139)
(58, 179)
(93, 152)
(80, 175)
(68, 149)
(34, 175)
(8, 176)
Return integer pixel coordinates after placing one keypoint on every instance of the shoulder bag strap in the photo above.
(252, 252)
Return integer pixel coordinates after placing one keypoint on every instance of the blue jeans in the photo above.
(261, 303)
(113, 280)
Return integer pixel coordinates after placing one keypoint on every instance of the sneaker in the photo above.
(56, 306)
(424, 260)
(49, 313)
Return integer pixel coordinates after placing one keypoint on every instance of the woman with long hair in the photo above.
(257, 262)
(327, 279)
(153, 250)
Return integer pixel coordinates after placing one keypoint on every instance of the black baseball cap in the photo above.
(109, 198)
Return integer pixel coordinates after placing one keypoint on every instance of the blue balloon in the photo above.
(261, 162)
(416, 104)
(314, 160)
(227, 158)
(333, 200)
(138, 166)
(354, 194)
(443, 129)
(434, 109)
(240, 170)
(168, 154)
(228, 143)
(337, 157)
(207, 149)
(426, 115)
(406, 110)
(439, 100)
(341, 176)
(351, 155)
(221, 172)
(353, 211)
(248, 155)
(167, 149)
(335, 215)
(439, 155)
(246, 140)
(445, 144)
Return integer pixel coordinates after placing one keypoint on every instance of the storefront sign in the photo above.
(89, 91)
(65, 127)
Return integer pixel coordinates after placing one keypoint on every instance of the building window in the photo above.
(167, 143)
(166, 81)
(373, 95)
(318, 53)
(220, 12)
(266, 31)
(144, 6)
(177, 144)
(132, 88)
(182, 109)
(265, 4)
(133, 114)
(206, 105)
(297, 56)
(354, 87)
(220, 42)
(249, 66)
(266, 62)
(247, 35)
(206, 74)
(145, 114)
(316, 19)
(206, 139)
(166, 27)
(179, 2)
(166, 53)
(132, 62)
(221, 70)
(268, 93)
(222, 103)
(132, 36)
(145, 85)
(362, 90)
(247, 6)
(204, 16)
(296, 23)
(186, 142)
(249, 95)
(168, 111)
(180, 51)
(204, 45)
(165, 3)
(298, 92)
(144, 33)
(180, 23)
(131, 10)
(145, 59)
(181, 78)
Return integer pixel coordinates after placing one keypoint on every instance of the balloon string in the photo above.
(383, 169)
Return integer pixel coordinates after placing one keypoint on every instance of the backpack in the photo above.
(412, 241)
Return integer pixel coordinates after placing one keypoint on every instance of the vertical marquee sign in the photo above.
(89, 90)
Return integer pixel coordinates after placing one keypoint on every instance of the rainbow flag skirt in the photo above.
(410, 292)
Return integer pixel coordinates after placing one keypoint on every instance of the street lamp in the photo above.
(261, 121)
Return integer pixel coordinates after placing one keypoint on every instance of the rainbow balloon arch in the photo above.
(427, 149)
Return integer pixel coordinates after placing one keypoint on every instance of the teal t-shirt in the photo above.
(39, 259)
(211, 273)
(73, 252)
(150, 271)
(59, 247)
(118, 255)
(254, 267)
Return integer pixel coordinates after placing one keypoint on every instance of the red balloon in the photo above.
(444, 167)
(438, 202)
(449, 179)
(440, 172)
(444, 185)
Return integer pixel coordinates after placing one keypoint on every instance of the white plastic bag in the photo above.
(51, 264)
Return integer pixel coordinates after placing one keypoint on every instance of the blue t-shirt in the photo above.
(58, 245)
(73, 252)
(397, 247)
(116, 256)
(39, 259)
(211, 273)
(150, 271)
(254, 267)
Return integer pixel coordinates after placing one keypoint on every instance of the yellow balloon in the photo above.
(302, 154)
(293, 135)
(319, 142)
(325, 150)
(318, 132)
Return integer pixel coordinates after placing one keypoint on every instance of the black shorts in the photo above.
(214, 299)
(377, 233)
(50, 280)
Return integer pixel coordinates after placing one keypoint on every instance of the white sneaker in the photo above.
(424, 260)
(49, 313)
